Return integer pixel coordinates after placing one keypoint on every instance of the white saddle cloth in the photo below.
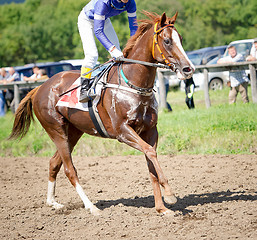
(71, 99)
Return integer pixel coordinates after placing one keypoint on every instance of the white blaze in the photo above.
(176, 39)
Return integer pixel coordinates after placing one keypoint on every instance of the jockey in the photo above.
(94, 19)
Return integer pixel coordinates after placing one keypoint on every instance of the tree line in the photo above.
(46, 30)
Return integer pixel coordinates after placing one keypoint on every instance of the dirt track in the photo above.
(217, 199)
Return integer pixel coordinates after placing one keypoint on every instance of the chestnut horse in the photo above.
(129, 117)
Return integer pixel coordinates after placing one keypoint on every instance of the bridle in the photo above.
(156, 44)
(132, 88)
(147, 91)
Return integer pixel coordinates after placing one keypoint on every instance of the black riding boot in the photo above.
(85, 85)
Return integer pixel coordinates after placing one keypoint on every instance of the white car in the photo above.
(200, 57)
(243, 47)
(217, 80)
(207, 56)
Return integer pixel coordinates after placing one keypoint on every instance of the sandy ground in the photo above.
(217, 199)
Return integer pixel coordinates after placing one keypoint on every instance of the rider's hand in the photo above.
(115, 53)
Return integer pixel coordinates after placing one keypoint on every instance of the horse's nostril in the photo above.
(187, 70)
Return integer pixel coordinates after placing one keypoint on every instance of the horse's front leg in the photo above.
(130, 137)
(151, 137)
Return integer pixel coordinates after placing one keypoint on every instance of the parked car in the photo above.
(208, 56)
(76, 63)
(51, 68)
(203, 56)
(242, 46)
(217, 80)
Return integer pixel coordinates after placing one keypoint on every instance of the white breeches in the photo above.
(86, 31)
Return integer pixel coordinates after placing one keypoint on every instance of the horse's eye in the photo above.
(167, 41)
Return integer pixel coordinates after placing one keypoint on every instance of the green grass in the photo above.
(221, 129)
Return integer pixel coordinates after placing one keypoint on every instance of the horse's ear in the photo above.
(163, 19)
(173, 19)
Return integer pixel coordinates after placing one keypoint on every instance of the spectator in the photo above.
(8, 93)
(13, 76)
(36, 75)
(238, 79)
(43, 75)
(2, 104)
(253, 53)
(189, 89)
(3, 75)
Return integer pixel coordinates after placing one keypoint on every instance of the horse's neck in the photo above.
(141, 75)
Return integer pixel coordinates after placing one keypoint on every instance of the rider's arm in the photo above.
(101, 9)
(132, 17)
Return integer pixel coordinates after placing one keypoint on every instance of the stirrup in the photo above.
(91, 93)
(83, 97)
(86, 94)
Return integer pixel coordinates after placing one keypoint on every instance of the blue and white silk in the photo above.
(94, 20)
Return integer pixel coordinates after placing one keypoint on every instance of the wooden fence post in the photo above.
(253, 82)
(162, 90)
(206, 88)
(16, 96)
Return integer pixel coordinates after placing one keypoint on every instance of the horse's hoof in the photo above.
(95, 211)
(170, 199)
(55, 205)
(168, 213)
(58, 206)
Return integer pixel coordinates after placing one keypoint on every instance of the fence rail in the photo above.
(17, 86)
(214, 68)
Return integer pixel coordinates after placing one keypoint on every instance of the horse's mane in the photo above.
(144, 25)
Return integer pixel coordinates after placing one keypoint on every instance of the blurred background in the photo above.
(46, 30)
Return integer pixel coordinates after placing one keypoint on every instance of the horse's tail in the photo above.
(23, 116)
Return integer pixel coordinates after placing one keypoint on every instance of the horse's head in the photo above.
(167, 47)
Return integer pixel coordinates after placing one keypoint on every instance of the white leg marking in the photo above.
(51, 196)
(88, 204)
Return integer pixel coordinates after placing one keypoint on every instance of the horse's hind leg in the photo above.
(65, 138)
(56, 163)
(54, 167)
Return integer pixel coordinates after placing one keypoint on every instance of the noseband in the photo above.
(155, 43)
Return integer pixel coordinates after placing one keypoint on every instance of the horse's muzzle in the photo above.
(187, 71)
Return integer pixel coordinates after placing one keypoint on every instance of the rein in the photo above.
(159, 65)
(138, 90)
(168, 64)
